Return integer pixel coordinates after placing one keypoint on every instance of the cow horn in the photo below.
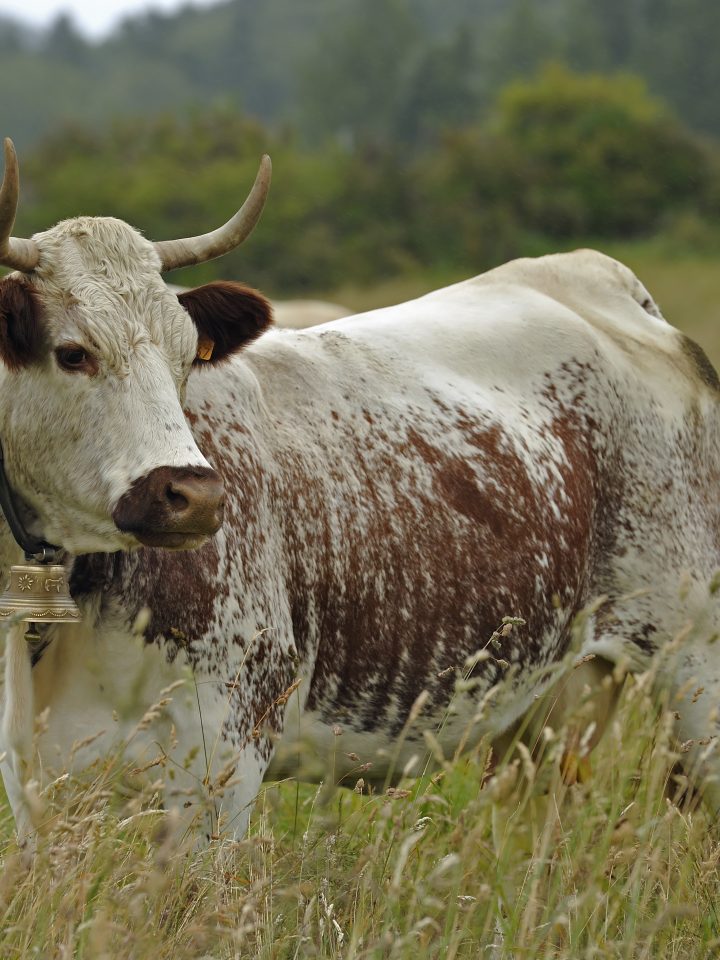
(184, 253)
(18, 254)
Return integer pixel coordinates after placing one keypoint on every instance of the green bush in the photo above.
(598, 154)
(565, 159)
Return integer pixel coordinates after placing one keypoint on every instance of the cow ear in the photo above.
(22, 331)
(227, 315)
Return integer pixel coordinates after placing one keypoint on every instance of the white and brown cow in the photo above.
(394, 483)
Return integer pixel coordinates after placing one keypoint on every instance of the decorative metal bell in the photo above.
(38, 593)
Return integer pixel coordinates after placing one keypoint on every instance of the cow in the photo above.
(536, 443)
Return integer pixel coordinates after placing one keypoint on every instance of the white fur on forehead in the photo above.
(102, 277)
(96, 245)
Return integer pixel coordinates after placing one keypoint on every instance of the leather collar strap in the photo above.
(35, 549)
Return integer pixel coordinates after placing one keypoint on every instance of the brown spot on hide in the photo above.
(442, 533)
(456, 484)
(178, 587)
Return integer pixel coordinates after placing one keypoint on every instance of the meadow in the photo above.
(479, 857)
(469, 861)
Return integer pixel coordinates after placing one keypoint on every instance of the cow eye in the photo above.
(75, 359)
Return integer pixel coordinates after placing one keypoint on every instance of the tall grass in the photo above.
(472, 861)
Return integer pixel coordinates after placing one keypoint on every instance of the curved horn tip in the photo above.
(265, 169)
(191, 250)
(9, 148)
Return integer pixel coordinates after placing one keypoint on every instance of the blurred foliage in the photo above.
(561, 157)
(602, 157)
(394, 71)
(408, 138)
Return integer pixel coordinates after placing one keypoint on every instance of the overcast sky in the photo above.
(95, 17)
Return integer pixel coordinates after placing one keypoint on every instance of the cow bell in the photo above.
(38, 593)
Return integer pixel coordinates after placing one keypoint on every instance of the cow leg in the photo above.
(223, 800)
(581, 704)
(577, 708)
(687, 682)
(685, 678)
(17, 800)
(222, 768)
(236, 799)
(18, 718)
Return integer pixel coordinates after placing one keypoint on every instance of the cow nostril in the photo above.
(177, 500)
(172, 502)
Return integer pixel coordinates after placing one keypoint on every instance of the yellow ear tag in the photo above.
(205, 348)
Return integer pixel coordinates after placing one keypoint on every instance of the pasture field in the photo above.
(524, 867)
(471, 860)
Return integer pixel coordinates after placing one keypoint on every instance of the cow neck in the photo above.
(36, 549)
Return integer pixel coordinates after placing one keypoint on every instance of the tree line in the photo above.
(558, 159)
(385, 71)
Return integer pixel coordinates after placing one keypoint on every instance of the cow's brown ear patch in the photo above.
(22, 331)
(227, 315)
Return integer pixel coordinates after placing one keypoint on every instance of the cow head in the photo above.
(95, 353)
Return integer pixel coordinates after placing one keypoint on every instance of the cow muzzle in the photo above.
(172, 507)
